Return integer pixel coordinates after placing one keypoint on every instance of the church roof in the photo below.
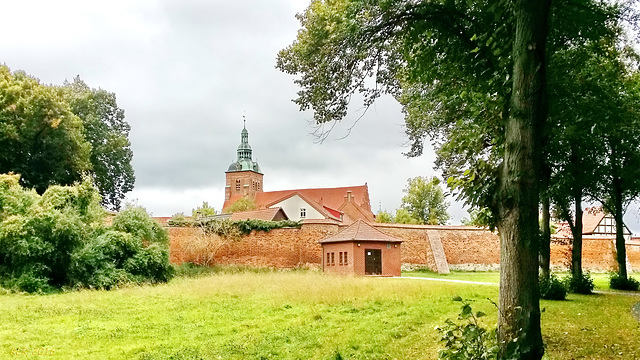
(331, 198)
(245, 155)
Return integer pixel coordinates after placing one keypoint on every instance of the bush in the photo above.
(580, 285)
(468, 339)
(151, 264)
(619, 283)
(136, 221)
(553, 288)
(59, 239)
(99, 264)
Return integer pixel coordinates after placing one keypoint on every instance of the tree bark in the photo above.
(621, 251)
(545, 240)
(519, 315)
(576, 231)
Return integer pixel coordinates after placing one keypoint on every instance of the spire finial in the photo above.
(244, 120)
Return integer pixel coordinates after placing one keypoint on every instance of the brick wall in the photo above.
(464, 247)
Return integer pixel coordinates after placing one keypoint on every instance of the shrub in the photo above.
(151, 264)
(553, 288)
(580, 285)
(180, 220)
(467, 339)
(59, 239)
(619, 283)
(99, 264)
(136, 221)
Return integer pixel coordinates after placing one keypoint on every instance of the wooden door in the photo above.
(373, 262)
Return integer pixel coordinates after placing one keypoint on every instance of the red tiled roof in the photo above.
(331, 198)
(335, 213)
(360, 231)
(263, 214)
(591, 217)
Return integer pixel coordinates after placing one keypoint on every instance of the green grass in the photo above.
(290, 315)
(600, 280)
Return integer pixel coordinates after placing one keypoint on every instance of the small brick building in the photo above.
(361, 249)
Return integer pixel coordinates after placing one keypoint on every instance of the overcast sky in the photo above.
(185, 72)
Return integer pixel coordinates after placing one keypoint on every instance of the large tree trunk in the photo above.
(576, 231)
(545, 241)
(621, 251)
(519, 315)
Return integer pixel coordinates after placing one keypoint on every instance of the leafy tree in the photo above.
(425, 201)
(618, 176)
(479, 218)
(471, 75)
(203, 211)
(108, 133)
(384, 217)
(40, 137)
(404, 217)
(243, 204)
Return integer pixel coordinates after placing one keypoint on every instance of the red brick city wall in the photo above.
(633, 255)
(290, 247)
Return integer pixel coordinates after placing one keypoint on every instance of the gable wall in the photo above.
(292, 206)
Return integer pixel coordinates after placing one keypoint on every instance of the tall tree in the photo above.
(432, 50)
(108, 133)
(618, 96)
(471, 77)
(425, 201)
(40, 137)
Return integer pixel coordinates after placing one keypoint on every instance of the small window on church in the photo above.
(303, 213)
(238, 185)
(254, 185)
(258, 185)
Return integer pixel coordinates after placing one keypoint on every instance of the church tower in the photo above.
(243, 176)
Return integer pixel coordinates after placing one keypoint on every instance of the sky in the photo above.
(186, 72)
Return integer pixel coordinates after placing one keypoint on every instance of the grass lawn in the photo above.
(290, 315)
(600, 280)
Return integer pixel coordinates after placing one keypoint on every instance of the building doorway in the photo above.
(373, 262)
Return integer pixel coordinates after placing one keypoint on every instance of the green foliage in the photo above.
(553, 288)
(243, 204)
(581, 284)
(404, 217)
(108, 133)
(59, 239)
(620, 283)
(203, 211)
(40, 137)
(180, 220)
(424, 200)
(150, 264)
(384, 217)
(66, 131)
(480, 217)
(235, 229)
(247, 226)
(467, 338)
(136, 221)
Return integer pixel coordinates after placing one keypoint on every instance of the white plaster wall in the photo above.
(292, 206)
